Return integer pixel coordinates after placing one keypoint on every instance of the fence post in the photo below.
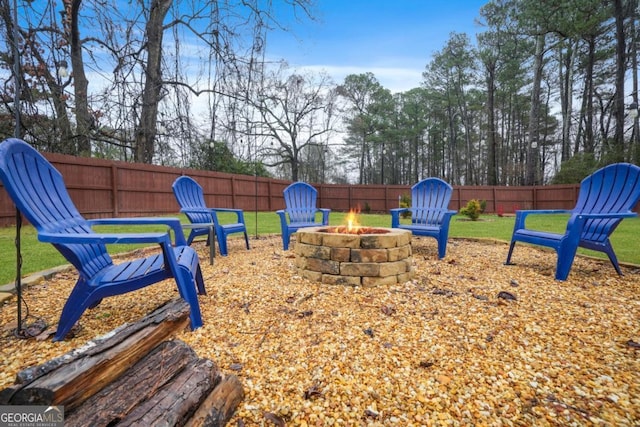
(386, 198)
(350, 196)
(495, 202)
(114, 191)
(233, 191)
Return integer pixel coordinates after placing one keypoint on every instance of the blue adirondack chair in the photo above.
(430, 213)
(300, 210)
(38, 191)
(605, 198)
(191, 200)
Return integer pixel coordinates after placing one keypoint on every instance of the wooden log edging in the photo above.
(134, 375)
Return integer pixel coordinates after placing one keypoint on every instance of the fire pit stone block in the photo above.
(380, 258)
(369, 255)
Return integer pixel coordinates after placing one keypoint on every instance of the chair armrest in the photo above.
(172, 223)
(226, 210)
(576, 223)
(206, 211)
(395, 216)
(283, 218)
(195, 210)
(325, 215)
(521, 215)
(543, 211)
(608, 215)
(104, 238)
(448, 213)
(239, 213)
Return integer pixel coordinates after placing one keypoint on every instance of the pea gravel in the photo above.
(469, 341)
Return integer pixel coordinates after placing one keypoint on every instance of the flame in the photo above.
(351, 226)
(352, 221)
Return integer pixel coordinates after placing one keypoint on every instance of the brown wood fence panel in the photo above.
(335, 197)
(105, 188)
(557, 197)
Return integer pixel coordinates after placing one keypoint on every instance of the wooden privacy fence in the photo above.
(106, 188)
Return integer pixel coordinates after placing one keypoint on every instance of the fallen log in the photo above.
(169, 387)
(174, 404)
(219, 406)
(133, 376)
(72, 378)
(135, 386)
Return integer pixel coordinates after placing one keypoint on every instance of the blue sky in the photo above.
(393, 39)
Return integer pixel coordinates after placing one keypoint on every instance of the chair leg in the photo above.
(612, 257)
(79, 300)
(285, 240)
(222, 244)
(246, 239)
(566, 255)
(563, 267)
(442, 246)
(199, 281)
(508, 261)
(190, 238)
(187, 287)
(211, 240)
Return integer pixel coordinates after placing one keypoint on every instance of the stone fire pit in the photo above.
(379, 256)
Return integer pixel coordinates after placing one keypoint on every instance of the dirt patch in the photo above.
(468, 341)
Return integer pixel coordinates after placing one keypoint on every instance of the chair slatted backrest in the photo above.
(300, 199)
(190, 196)
(429, 200)
(614, 188)
(39, 192)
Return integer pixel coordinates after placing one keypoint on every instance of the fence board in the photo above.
(106, 188)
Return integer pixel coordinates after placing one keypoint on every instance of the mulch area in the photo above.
(469, 341)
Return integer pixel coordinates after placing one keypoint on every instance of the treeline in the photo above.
(546, 90)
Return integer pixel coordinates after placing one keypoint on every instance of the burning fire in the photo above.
(353, 226)
(352, 222)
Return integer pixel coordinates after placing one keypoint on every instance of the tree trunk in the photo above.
(146, 132)
(492, 169)
(80, 84)
(534, 114)
(566, 90)
(617, 149)
(589, 138)
(635, 140)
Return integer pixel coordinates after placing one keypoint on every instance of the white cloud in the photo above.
(393, 78)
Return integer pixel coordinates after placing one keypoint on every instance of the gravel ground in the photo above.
(469, 341)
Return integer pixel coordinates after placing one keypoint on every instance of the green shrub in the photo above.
(572, 171)
(405, 202)
(367, 208)
(472, 210)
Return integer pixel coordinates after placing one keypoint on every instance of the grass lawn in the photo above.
(38, 256)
